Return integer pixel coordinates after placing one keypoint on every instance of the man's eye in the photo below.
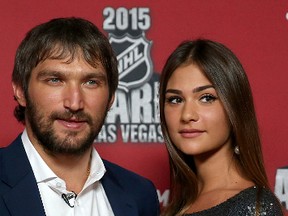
(54, 80)
(92, 83)
(174, 100)
(208, 98)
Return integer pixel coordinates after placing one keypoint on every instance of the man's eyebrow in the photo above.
(97, 74)
(44, 73)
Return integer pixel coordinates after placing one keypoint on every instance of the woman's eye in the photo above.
(174, 100)
(208, 98)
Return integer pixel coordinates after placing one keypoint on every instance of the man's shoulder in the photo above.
(129, 181)
(121, 172)
(13, 146)
(134, 186)
(127, 178)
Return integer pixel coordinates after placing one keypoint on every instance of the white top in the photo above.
(92, 200)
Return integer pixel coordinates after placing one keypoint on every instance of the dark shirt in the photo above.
(244, 204)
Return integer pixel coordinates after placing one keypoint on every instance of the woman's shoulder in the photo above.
(245, 203)
(270, 205)
(257, 198)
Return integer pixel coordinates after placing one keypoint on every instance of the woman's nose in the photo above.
(189, 112)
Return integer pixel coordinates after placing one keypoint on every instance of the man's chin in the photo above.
(70, 144)
(69, 149)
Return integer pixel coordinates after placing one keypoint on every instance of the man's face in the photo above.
(66, 105)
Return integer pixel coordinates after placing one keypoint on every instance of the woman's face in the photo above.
(196, 120)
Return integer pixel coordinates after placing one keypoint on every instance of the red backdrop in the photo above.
(257, 31)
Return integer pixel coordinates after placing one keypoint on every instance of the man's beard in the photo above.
(42, 127)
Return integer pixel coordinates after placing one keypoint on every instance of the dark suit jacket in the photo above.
(128, 193)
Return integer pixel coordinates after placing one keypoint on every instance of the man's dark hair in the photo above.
(58, 39)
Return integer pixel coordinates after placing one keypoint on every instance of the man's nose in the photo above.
(73, 97)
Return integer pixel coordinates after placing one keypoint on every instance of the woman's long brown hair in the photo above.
(225, 72)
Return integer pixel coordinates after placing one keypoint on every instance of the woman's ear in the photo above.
(19, 94)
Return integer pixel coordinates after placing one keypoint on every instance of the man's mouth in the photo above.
(72, 124)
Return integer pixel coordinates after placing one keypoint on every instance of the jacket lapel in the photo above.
(23, 197)
(121, 203)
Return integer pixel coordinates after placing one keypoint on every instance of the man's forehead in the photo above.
(67, 56)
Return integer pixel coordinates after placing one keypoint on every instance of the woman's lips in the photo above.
(191, 133)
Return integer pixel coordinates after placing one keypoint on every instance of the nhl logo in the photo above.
(134, 61)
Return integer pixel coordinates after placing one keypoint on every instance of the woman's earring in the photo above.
(236, 150)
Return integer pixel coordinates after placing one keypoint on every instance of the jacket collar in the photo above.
(121, 203)
(23, 197)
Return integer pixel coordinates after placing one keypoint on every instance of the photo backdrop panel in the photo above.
(143, 34)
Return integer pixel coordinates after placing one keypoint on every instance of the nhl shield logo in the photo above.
(134, 61)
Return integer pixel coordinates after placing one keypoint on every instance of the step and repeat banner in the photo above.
(143, 34)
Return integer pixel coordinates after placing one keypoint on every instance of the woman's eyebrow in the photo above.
(195, 90)
(201, 88)
(174, 91)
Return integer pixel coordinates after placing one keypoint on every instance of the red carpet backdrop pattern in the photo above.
(143, 33)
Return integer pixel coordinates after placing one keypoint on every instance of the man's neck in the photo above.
(73, 169)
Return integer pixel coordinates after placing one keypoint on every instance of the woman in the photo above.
(211, 133)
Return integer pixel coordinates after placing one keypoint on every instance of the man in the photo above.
(64, 80)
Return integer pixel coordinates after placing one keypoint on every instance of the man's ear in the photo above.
(19, 94)
(111, 101)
